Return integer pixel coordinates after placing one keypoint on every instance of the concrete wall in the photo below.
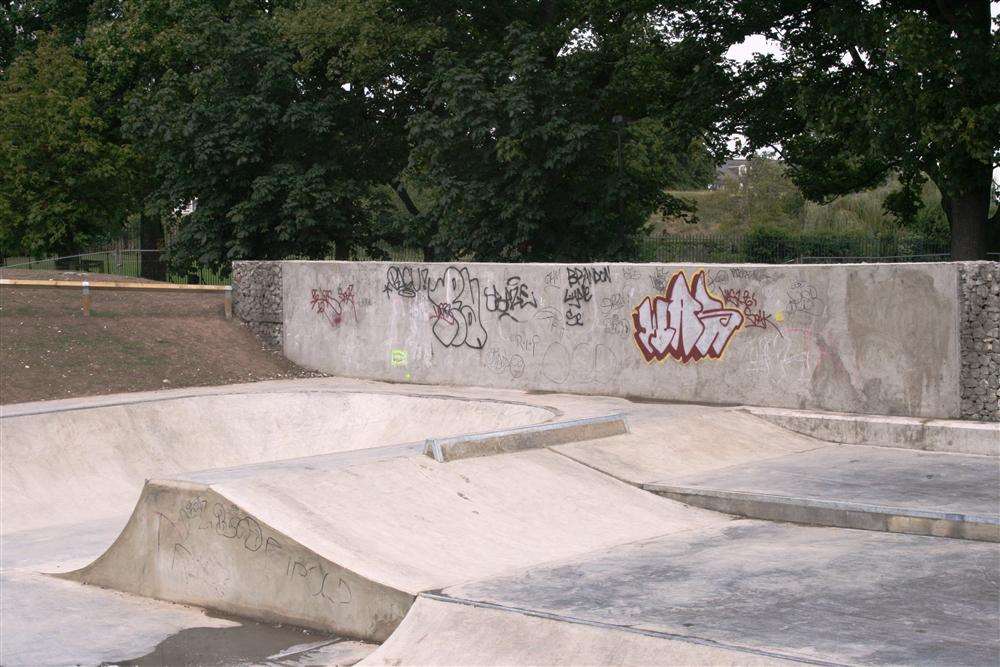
(872, 338)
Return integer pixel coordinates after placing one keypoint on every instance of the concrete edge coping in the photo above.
(891, 420)
(819, 511)
(948, 436)
(521, 438)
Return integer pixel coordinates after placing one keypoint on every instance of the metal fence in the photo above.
(756, 248)
(150, 264)
(777, 248)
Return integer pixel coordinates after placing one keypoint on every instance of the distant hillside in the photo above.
(766, 197)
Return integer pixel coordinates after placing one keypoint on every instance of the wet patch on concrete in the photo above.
(251, 643)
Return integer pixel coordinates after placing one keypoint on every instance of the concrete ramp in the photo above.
(344, 544)
(491, 635)
(186, 543)
(67, 464)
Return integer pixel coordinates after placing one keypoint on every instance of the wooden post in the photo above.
(86, 299)
(228, 302)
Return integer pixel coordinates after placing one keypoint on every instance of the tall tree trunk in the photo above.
(967, 210)
(342, 250)
(411, 208)
(151, 263)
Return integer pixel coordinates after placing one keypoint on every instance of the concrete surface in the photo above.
(871, 338)
(872, 488)
(54, 459)
(823, 594)
(72, 469)
(347, 549)
(935, 435)
(351, 507)
(186, 543)
(687, 442)
(438, 631)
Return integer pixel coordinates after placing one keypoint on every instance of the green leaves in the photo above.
(282, 128)
(519, 141)
(65, 180)
(271, 161)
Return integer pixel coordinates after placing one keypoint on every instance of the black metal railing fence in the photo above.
(752, 248)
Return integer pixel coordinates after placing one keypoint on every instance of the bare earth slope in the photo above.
(131, 342)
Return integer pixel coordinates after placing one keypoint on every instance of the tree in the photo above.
(65, 179)
(865, 89)
(22, 24)
(538, 145)
(255, 154)
(381, 50)
(499, 116)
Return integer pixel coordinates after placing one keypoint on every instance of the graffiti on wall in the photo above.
(753, 315)
(583, 362)
(333, 308)
(686, 323)
(456, 316)
(580, 282)
(501, 362)
(614, 323)
(405, 281)
(512, 301)
(804, 298)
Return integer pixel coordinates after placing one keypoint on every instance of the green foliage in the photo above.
(65, 179)
(24, 24)
(520, 146)
(767, 197)
(255, 156)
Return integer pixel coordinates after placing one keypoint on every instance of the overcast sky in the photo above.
(757, 44)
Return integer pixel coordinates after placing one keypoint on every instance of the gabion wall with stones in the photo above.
(979, 287)
(257, 298)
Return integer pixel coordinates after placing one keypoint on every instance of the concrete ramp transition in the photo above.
(346, 548)
(186, 543)
(501, 528)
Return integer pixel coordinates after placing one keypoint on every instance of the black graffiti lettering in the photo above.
(516, 296)
(580, 280)
(405, 281)
(456, 317)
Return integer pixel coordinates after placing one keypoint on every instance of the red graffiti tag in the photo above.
(746, 301)
(688, 323)
(324, 303)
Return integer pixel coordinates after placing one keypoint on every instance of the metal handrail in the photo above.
(85, 286)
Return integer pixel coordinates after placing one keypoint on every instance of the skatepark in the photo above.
(533, 464)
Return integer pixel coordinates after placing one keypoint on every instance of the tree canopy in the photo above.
(508, 130)
(65, 178)
(863, 89)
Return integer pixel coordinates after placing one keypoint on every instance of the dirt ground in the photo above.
(130, 342)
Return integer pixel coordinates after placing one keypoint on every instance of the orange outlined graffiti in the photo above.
(688, 323)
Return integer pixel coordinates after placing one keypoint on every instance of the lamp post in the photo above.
(619, 122)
